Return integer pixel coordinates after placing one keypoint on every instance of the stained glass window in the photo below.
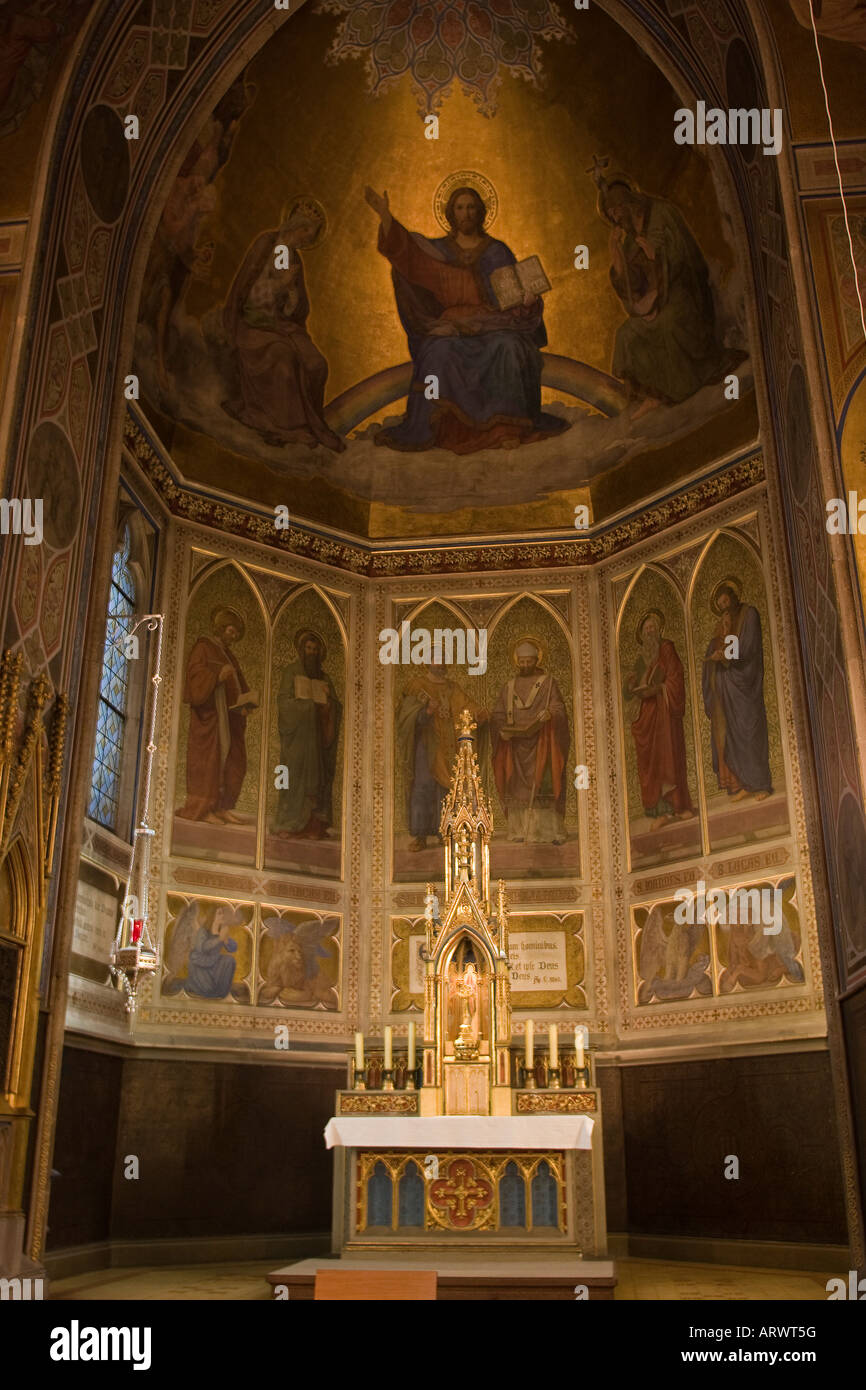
(113, 693)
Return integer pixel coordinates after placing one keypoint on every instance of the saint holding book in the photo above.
(475, 324)
(219, 700)
(309, 715)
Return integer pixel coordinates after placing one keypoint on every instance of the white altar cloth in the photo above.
(460, 1132)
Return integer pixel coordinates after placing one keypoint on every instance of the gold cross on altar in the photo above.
(461, 1195)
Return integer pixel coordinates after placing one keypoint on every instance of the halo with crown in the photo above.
(313, 209)
(604, 179)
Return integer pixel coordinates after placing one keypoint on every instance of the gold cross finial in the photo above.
(466, 726)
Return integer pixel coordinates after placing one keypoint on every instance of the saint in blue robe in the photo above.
(733, 692)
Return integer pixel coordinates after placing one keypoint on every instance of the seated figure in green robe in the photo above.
(669, 346)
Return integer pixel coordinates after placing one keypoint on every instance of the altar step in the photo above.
(467, 1277)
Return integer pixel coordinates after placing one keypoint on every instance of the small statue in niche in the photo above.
(431, 907)
(466, 1042)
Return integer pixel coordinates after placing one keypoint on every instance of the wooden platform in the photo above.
(469, 1278)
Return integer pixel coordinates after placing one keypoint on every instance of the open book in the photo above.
(511, 282)
(249, 700)
(307, 689)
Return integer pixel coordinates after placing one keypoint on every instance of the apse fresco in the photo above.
(467, 333)
(523, 707)
(35, 37)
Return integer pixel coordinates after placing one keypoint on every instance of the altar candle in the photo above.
(554, 1046)
(410, 1060)
(389, 1062)
(530, 1044)
(359, 1051)
(578, 1047)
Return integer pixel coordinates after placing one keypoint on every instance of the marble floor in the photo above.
(638, 1280)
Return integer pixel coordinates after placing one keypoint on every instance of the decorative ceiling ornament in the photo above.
(134, 955)
(438, 43)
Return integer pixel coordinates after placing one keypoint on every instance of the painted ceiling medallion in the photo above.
(438, 43)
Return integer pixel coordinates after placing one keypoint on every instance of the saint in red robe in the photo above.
(216, 754)
(658, 733)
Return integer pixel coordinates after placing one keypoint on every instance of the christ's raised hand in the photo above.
(378, 202)
(381, 206)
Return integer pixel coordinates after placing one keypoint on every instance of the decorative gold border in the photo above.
(480, 555)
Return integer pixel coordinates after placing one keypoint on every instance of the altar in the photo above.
(463, 1143)
(467, 1181)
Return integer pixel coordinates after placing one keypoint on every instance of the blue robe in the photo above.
(488, 372)
(210, 972)
(734, 702)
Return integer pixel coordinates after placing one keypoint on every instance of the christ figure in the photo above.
(476, 368)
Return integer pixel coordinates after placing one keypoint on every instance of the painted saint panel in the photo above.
(306, 738)
(741, 742)
(672, 959)
(657, 728)
(219, 735)
(766, 953)
(532, 743)
(428, 700)
(522, 703)
(714, 941)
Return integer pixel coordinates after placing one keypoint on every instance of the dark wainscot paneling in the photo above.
(775, 1113)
